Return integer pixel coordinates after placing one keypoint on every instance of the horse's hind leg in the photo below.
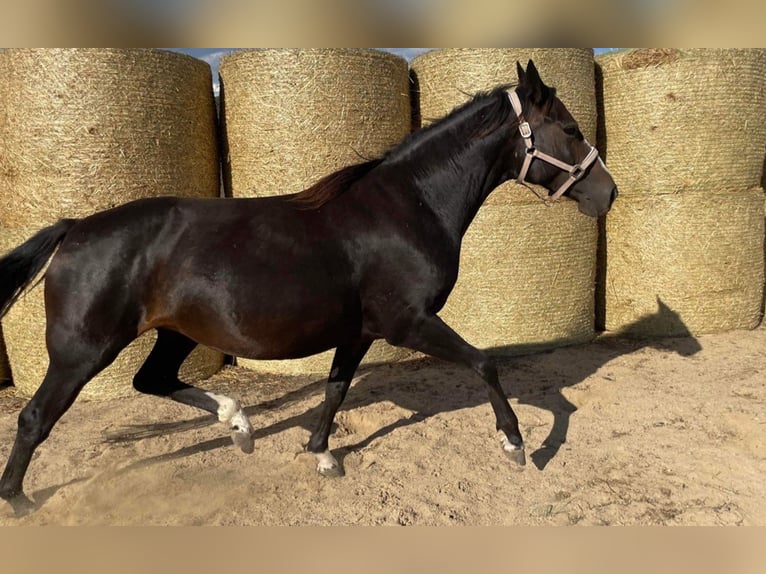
(72, 365)
(159, 376)
(344, 365)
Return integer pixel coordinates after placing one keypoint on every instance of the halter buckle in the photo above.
(576, 172)
(525, 130)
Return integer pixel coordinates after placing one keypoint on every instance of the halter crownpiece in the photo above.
(576, 171)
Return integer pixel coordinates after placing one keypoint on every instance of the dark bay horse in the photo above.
(369, 252)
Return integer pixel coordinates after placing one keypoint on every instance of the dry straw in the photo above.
(25, 329)
(447, 78)
(5, 368)
(699, 256)
(684, 120)
(293, 116)
(82, 130)
(319, 365)
(527, 275)
(527, 271)
(87, 129)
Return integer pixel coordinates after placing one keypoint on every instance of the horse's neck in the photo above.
(456, 188)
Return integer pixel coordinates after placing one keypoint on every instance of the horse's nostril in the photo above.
(614, 194)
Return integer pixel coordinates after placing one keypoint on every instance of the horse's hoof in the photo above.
(331, 472)
(327, 465)
(516, 455)
(244, 440)
(513, 450)
(22, 506)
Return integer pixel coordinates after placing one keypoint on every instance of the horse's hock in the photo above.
(527, 271)
(82, 130)
(290, 117)
(684, 134)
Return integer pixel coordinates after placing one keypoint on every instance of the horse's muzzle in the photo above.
(596, 207)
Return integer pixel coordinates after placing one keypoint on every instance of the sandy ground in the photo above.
(638, 432)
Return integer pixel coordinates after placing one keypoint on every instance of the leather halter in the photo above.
(576, 171)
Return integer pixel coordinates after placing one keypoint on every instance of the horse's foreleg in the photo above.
(159, 376)
(344, 365)
(429, 334)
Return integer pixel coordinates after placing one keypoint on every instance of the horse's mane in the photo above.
(495, 111)
(332, 185)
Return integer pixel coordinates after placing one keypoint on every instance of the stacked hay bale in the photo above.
(685, 135)
(84, 130)
(5, 368)
(527, 271)
(289, 117)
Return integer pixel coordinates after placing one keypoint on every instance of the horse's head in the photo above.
(552, 152)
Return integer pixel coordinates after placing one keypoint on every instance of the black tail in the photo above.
(19, 267)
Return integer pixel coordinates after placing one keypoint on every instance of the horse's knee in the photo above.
(486, 368)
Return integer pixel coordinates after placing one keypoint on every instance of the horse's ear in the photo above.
(521, 74)
(538, 91)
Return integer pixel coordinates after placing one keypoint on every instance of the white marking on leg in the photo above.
(507, 445)
(239, 421)
(230, 411)
(326, 461)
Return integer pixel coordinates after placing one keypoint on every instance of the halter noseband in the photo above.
(576, 171)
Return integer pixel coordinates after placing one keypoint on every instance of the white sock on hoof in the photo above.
(325, 461)
(230, 411)
(507, 445)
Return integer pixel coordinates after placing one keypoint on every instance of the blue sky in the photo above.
(213, 55)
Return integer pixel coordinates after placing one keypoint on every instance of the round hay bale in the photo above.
(683, 264)
(291, 117)
(450, 77)
(319, 365)
(88, 129)
(527, 271)
(678, 120)
(527, 275)
(5, 369)
(82, 130)
(24, 326)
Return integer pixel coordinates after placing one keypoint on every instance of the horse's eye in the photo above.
(571, 130)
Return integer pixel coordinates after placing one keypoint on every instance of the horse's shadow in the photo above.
(530, 379)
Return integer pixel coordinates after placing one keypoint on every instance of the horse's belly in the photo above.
(286, 339)
(277, 331)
